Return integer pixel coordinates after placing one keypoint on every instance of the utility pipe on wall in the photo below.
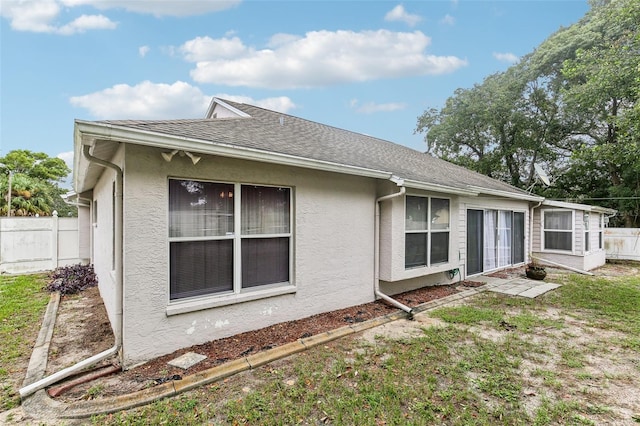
(376, 245)
(53, 378)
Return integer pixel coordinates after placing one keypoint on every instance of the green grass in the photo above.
(22, 305)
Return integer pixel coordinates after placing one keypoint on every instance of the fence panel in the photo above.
(30, 244)
(622, 243)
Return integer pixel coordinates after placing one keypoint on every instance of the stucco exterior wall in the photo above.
(84, 234)
(333, 265)
(102, 228)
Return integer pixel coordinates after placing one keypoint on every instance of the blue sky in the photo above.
(368, 66)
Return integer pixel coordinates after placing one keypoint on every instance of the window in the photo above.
(600, 230)
(558, 230)
(585, 219)
(426, 231)
(208, 255)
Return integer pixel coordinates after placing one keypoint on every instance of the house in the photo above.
(206, 228)
(570, 234)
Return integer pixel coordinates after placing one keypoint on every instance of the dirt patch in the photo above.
(82, 329)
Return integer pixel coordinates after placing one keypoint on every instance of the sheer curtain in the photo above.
(504, 238)
(490, 240)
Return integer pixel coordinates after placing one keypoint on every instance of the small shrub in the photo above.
(72, 279)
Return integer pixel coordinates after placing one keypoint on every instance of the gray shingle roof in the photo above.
(310, 140)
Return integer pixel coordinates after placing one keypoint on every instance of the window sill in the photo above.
(208, 302)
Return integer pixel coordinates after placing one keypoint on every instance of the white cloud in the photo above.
(320, 58)
(159, 7)
(87, 22)
(143, 50)
(41, 16)
(372, 107)
(448, 20)
(153, 101)
(398, 13)
(206, 48)
(506, 57)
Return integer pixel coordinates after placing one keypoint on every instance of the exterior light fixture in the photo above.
(168, 156)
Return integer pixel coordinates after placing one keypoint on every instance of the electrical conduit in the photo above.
(53, 378)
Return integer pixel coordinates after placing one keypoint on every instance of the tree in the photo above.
(34, 184)
(571, 106)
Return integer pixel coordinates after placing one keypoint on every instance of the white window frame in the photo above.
(600, 231)
(586, 243)
(429, 231)
(238, 294)
(572, 231)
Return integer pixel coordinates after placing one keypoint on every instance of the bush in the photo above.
(72, 279)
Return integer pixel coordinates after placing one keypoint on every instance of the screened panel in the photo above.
(264, 261)
(554, 240)
(439, 213)
(518, 237)
(474, 241)
(557, 220)
(439, 247)
(200, 267)
(415, 250)
(200, 209)
(416, 214)
(504, 237)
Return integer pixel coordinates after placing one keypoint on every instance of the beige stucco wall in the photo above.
(333, 250)
(102, 235)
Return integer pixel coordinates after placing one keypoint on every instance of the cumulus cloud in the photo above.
(506, 57)
(398, 13)
(320, 58)
(372, 107)
(143, 50)
(154, 101)
(41, 16)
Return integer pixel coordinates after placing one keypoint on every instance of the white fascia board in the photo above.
(507, 194)
(216, 101)
(104, 131)
(414, 184)
(577, 206)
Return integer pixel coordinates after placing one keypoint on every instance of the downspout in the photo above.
(376, 250)
(56, 377)
(531, 230)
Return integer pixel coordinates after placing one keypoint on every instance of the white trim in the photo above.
(429, 231)
(572, 231)
(576, 206)
(216, 101)
(507, 194)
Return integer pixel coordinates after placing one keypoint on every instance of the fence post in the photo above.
(54, 239)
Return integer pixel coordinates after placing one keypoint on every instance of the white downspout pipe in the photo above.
(56, 377)
(376, 250)
(531, 230)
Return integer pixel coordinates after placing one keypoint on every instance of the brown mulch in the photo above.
(227, 349)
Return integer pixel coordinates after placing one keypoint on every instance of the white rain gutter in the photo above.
(67, 200)
(56, 377)
(531, 228)
(376, 249)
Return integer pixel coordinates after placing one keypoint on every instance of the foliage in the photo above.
(22, 303)
(72, 279)
(570, 106)
(34, 184)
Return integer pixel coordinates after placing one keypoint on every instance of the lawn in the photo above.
(568, 357)
(22, 306)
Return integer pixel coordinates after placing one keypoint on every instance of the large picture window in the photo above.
(207, 253)
(558, 230)
(427, 228)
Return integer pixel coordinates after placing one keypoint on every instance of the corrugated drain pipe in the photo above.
(56, 377)
(376, 275)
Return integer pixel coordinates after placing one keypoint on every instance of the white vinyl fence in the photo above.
(622, 243)
(32, 244)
